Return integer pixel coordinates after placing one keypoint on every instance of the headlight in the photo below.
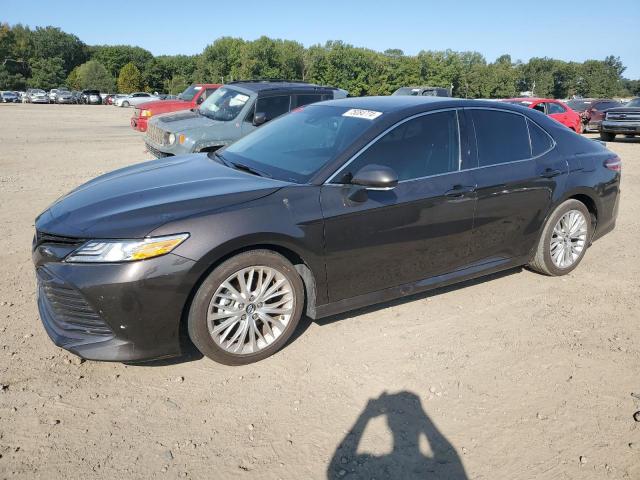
(172, 139)
(105, 251)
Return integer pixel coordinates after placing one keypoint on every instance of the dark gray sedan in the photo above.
(335, 206)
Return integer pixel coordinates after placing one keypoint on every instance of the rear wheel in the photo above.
(125, 104)
(247, 308)
(564, 240)
(607, 136)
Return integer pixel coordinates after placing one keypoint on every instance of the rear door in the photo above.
(518, 171)
(418, 229)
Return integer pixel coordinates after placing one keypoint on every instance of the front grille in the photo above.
(157, 153)
(623, 116)
(155, 134)
(44, 237)
(69, 312)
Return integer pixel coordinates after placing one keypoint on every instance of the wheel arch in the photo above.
(297, 260)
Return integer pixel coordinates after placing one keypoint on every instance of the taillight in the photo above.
(613, 163)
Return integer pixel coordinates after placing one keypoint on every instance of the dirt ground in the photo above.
(517, 376)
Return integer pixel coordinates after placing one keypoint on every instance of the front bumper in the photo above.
(139, 123)
(114, 312)
(632, 127)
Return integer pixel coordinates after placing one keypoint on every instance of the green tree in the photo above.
(93, 75)
(130, 79)
(47, 73)
(51, 42)
(220, 61)
(115, 57)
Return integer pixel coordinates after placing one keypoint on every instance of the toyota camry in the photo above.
(332, 207)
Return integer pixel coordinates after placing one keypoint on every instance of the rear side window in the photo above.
(273, 107)
(541, 141)
(301, 100)
(424, 146)
(500, 136)
(555, 108)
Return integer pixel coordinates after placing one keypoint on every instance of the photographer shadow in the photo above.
(407, 422)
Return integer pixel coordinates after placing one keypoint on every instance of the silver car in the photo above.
(228, 114)
(37, 96)
(134, 99)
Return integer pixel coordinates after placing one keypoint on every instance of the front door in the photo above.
(418, 229)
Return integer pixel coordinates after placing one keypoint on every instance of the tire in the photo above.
(607, 136)
(542, 261)
(125, 104)
(212, 293)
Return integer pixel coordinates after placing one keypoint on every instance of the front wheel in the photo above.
(564, 239)
(247, 308)
(125, 104)
(607, 136)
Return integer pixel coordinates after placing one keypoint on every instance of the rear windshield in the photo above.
(579, 105)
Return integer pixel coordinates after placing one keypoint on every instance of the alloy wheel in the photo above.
(250, 310)
(568, 239)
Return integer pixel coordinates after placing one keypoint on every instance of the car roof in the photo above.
(263, 85)
(409, 103)
(530, 99)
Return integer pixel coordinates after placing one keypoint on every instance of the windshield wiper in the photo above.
(239, 166)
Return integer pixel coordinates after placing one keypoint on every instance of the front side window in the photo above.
(224, 104)
(554, 108)
(273, 107)
(539, 107)
(500, 137)
(421, 147)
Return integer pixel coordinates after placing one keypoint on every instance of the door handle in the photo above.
(550, 173)
(460, 190)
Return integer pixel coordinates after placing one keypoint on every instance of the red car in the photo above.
(553, 108)
(190, 98)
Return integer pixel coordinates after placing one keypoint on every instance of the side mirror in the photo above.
(375, 177)
(259, 118)
(200, 99)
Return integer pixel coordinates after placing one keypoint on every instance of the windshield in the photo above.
(189, 93)
(578, 105)
(224, 104)
(37, 91)
(633, 103)
(407, 91)
(321, 133)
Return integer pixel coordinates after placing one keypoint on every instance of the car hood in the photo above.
(165, 105)
(133, 201)
(183, 121)
(623, 110)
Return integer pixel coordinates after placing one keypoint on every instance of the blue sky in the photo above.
(568, 30)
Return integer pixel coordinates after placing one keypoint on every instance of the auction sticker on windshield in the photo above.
(359, 113)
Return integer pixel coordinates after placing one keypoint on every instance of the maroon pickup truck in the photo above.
(190, 98)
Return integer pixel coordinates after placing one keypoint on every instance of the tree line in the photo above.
(47, 57)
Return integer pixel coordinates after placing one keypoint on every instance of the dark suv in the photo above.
(230, 113)
(622, 120)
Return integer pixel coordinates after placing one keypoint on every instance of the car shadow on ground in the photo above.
(419, 451)
(191, 353)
